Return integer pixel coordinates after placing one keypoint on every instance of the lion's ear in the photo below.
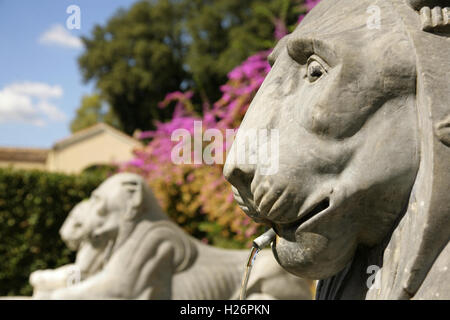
(134, 191)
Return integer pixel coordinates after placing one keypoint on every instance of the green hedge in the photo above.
(33, 206)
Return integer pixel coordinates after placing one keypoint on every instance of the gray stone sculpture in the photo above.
(363, 116)
(129, 249)
(91, 255)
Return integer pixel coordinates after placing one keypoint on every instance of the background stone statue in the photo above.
(129, 249)
(363, 116)
(91, 255)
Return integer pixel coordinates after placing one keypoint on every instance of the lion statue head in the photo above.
(118, 205)
(93, 226)
(354, 109)
(75, 228)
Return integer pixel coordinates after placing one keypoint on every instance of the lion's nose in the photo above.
(238, 175)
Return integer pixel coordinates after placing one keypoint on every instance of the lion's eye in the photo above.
(101, 211)
(315, 70)
(99, 206)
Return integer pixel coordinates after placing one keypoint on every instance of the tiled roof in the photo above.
(92, 131)
(23, 154)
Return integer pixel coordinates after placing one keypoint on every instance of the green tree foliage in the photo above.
(33, 206)
(92, 111)
(226, 32)
(161, 46)
(134, 62)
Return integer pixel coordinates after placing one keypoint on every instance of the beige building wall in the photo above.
(100, 144)
(105, 147)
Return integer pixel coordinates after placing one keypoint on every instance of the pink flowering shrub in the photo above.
(197, 196)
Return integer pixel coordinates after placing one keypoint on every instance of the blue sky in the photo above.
(40, 83)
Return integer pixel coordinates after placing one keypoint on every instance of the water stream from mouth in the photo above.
(248, 270)
(259, 243)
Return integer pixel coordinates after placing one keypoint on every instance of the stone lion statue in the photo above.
(91, 255)
(361, 106)
(129, 249)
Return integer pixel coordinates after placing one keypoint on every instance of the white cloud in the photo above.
(58, 35)
(51, 111)
(36, 89)
(27, 102)
(16, 108)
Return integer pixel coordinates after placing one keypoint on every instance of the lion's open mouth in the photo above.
(249, 208)
(72, 244)
(314, 210)
(287, 230)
